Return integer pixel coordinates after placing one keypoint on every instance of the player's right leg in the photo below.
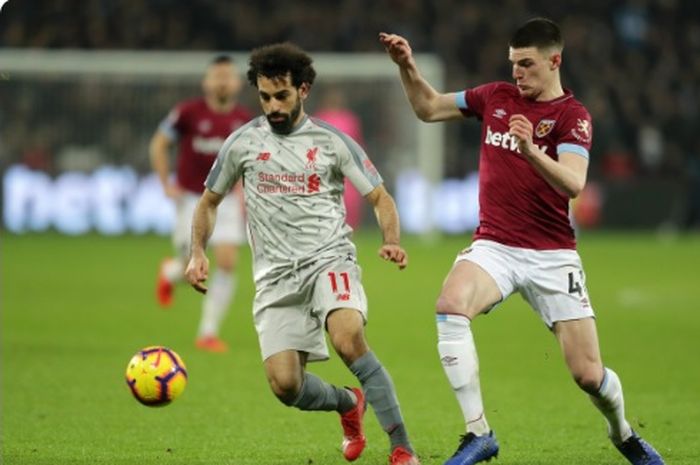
(295, 387)
(289, 335)
(467, 292)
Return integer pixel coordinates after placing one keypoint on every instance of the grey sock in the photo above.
(381, 395)
(316, 394)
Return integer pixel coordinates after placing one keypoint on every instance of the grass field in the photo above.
(74, 310)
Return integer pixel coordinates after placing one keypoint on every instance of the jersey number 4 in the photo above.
(575, 286)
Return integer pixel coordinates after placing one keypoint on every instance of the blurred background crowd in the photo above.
(634, 63)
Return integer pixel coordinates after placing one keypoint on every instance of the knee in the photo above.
(225, 259)
(589, 378)
(448, 304)
(350, 345)
(286, 388)
(226, 265)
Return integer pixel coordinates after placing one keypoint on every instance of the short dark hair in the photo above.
(538, 32)
(276, 60)
(221, 60)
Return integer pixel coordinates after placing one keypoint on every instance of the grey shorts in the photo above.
(551, 281)
(290, 313)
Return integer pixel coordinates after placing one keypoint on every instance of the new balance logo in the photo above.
(505, 141)
(263, 156)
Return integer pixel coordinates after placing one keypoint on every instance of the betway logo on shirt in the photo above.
(505, 141)
(208, 145)
(288, 183)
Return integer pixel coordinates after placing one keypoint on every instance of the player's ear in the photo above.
(304, 90)
(555, 61)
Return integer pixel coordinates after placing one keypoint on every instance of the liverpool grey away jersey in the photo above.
(293, 188)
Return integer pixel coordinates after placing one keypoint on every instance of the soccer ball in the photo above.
(156, 376)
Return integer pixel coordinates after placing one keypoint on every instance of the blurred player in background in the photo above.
(306, 274)
(199, 127)
(534, 158)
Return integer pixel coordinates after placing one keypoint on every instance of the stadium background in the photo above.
(74, 309)
(636, 65)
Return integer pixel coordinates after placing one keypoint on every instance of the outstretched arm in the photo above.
(203, 222)
(428, 104)
(388, 220)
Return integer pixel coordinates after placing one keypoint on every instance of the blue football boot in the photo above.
(474, 449)
(639, 452)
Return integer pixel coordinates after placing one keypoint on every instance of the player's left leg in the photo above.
(217, 300)
(579, 343)
(346, 330)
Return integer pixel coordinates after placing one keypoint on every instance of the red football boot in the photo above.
(211, 344)
(401, 456)
(354, 440)
(164, 288)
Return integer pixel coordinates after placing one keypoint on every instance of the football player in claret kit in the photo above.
(535, 146)
(199, 127)
(307, 279)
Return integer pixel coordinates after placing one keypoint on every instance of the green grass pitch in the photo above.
(74, 310)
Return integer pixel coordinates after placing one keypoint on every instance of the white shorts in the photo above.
(290, 313)
(551, 281)
(229, 228)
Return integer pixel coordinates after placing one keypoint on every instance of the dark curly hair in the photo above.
(276, 60)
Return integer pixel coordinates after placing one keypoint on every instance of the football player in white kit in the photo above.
(306, 274)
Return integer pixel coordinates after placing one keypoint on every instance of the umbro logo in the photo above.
(449, 360)
(499, 113)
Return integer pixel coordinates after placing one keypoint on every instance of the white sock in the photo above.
(174, 270)
(611, 403)
(461, 365)
(216, 302)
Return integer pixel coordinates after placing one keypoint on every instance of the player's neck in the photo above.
(551, 92)
(299, 119)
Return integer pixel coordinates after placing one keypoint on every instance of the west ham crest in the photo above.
(544, 127)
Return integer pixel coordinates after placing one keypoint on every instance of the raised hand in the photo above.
(398, 48)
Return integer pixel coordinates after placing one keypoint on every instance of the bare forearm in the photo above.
(388, 220)
(563, 178)
(202, 225)
(419, 92)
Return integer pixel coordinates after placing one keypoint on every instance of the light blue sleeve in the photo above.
(573, 148)
(461, 100)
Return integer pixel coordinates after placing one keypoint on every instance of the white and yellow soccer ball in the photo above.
(156, 376)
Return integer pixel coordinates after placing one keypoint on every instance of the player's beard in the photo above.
(285, 125)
